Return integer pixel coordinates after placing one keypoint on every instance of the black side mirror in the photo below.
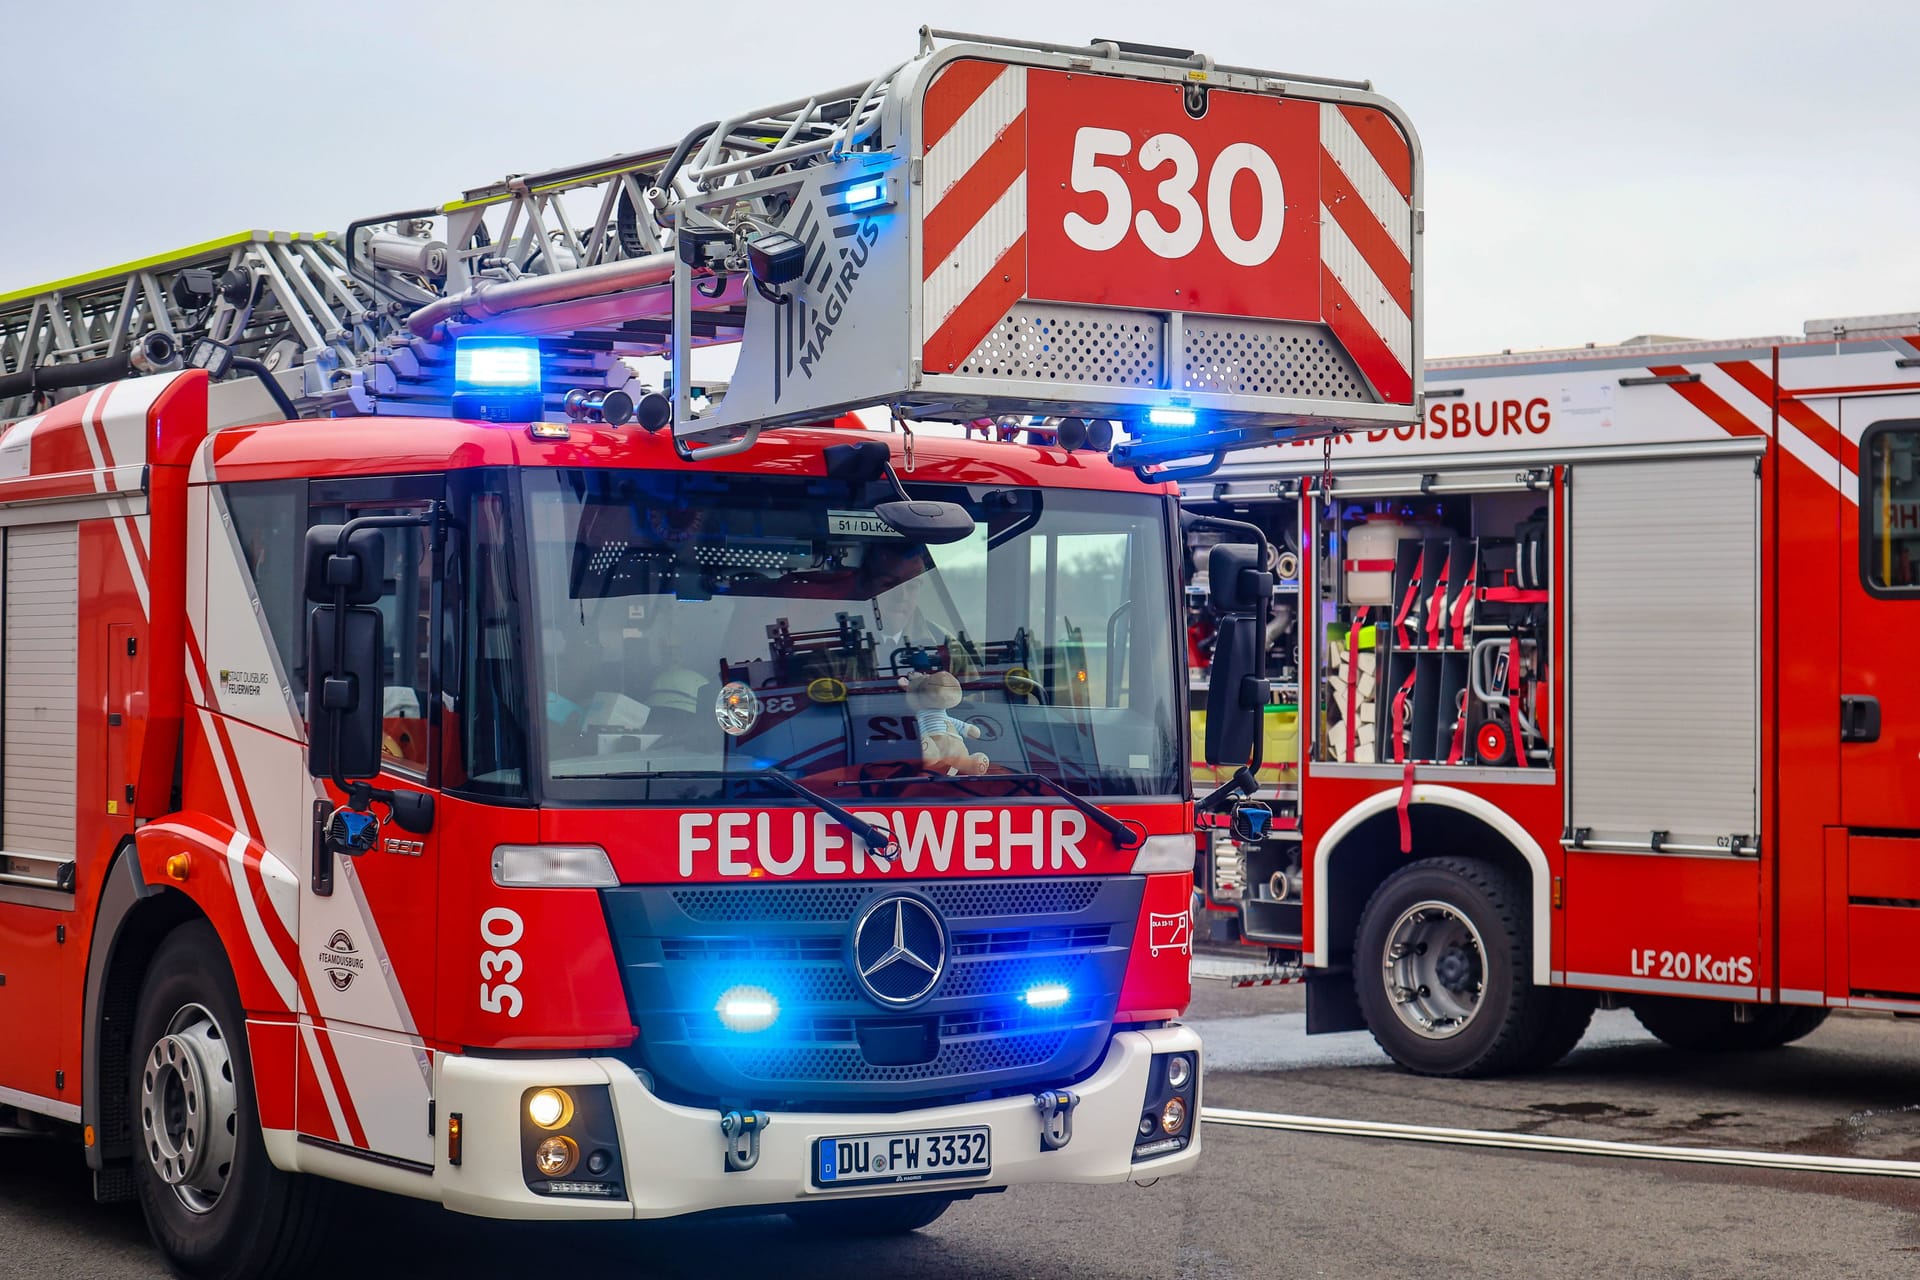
(345, 642)
(344, 694)
(1237, 688)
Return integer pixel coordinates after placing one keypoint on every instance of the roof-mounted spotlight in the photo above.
(775, 258)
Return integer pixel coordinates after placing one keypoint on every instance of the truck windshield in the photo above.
(693, 631)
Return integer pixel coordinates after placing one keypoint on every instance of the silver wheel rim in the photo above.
(189, 1108)
(1435, 970)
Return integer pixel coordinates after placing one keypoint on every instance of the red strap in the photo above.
(1402, 809)
(1513, 595)
(1459, 749)
(1513, 703)
(1353, 679)
(1369, 566)
(1400, 716)
(1463, 602)
(1406, 601)
(1437, 607)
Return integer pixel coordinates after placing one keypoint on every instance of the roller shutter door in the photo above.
(40, 659)
(1664, 668)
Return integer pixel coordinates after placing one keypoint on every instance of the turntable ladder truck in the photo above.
(447, 750)
(1603, 697)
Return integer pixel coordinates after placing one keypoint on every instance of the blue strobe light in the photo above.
(496, 379)
(868, 193)
(1046, 995)
(1171, 416)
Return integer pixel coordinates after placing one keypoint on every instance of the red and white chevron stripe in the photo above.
(973, 237)
(1366, 230)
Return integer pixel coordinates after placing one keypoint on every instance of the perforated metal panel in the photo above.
(41, 652)
(1266, 357)
(1043, 342)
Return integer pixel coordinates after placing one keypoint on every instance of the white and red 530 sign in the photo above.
(1150, 207)
(1078, 188)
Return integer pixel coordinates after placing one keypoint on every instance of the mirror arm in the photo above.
(1194, 520)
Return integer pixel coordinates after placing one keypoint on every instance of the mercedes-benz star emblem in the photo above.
(899, 950)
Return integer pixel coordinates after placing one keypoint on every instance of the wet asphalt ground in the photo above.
(1263, 1203)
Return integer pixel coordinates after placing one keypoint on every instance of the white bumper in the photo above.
(674, 1156)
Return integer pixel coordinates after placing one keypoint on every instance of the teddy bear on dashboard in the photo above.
(943, 738)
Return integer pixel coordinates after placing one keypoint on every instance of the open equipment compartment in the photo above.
(1434, 626)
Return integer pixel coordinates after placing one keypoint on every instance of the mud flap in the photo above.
(1331, 1002)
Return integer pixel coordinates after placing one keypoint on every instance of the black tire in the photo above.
(1512, 1022)
(1708, 1026)
(263, 1223)
(1570, 1013)
(890, 1217)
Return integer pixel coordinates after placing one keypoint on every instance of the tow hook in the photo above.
(742, 1130)
(1056, 1117)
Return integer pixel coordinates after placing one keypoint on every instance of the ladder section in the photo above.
(286, 300)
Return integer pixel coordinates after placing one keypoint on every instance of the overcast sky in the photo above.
(1594, 171)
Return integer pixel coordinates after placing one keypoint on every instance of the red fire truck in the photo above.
(1597, 693)
(434, 758)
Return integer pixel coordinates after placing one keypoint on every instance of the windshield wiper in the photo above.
(1123, 835)
(879, 841)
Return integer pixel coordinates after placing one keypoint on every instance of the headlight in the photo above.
(1179, 1071)
(550, 1108)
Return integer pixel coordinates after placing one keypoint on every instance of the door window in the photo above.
(1890, 508)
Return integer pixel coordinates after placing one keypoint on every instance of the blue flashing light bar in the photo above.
(1046, 995)
(1169, 416)
(869, 193)
(496, 379)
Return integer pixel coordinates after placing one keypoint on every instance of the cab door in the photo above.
(1879, 574)
(368, 939)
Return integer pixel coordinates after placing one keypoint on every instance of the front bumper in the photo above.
(674, 1156)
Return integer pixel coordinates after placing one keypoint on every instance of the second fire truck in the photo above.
(1599, 689)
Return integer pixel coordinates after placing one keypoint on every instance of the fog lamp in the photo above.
(550, 1108)
(556, 1156)
(1173, 1116)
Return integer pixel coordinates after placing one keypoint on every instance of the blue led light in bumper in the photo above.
(747, 1009)
(1169, 416)
(1046, 995)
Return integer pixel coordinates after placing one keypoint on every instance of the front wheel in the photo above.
(878, 1217)
(215, 1204)
(1440, 966)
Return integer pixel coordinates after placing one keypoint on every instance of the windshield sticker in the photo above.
(859, 524)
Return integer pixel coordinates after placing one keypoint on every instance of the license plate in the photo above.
(923, 1155)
